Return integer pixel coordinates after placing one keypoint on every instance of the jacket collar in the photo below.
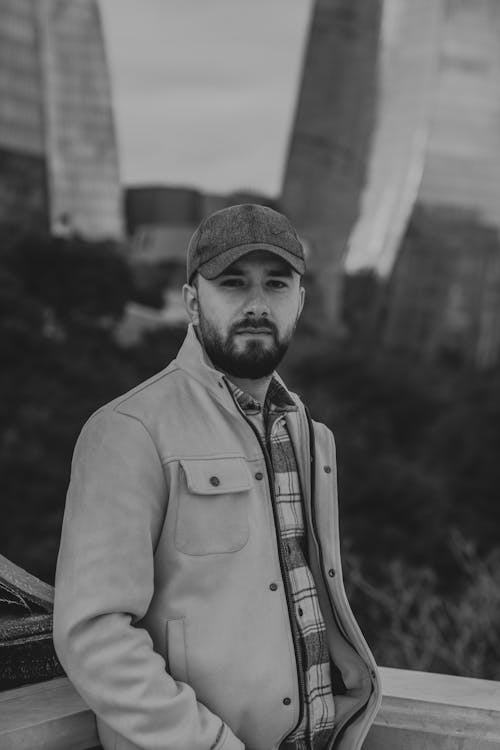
(192, 358)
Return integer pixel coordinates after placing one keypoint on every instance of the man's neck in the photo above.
(255, 388)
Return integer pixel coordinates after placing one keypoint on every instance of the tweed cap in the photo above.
(225, 236)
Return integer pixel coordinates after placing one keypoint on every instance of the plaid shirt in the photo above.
(308, 628)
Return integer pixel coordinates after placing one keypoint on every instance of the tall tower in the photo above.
(23, 193)
(57, 134)
(445, 297)
(462, 166)
(327, 158)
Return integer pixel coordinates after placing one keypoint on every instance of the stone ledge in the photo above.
(420, 711)
(46, 716)
(426, 711)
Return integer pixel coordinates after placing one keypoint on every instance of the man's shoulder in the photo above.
(147, 399)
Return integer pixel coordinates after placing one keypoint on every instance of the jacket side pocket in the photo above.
(176, 649)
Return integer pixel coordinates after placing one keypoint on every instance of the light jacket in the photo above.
(165, 618)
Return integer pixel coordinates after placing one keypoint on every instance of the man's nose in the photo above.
(256, 303)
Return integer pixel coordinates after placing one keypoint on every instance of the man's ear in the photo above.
(302, 293)
(190, 297)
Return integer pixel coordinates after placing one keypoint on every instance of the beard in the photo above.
(251, 360)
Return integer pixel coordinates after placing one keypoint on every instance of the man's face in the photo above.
(246, 316)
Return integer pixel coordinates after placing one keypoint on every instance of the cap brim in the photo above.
(214, 267)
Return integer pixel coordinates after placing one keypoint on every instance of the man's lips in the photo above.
(255, 331)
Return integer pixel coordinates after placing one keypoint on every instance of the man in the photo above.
(199, 598)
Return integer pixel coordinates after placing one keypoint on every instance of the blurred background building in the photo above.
(444, 295)
(330, 139)
(399, 109)
(58, 152)
(392, 171)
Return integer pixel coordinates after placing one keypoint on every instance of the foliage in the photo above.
(60, 363)
(413, 624)
(415, 446)
(72, 277)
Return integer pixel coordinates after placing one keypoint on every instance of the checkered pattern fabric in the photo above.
(315, 729)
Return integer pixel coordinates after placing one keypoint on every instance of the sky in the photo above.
(205, 90)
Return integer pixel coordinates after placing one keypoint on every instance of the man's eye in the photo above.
(277, 284)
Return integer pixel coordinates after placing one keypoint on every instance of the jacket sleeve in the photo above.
(104, 584)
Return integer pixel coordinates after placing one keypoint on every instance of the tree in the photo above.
(74, 278)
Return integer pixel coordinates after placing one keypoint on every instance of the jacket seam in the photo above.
(146, 430)
(210, 457)
(115, 404)
(151, 381)
(219, 738)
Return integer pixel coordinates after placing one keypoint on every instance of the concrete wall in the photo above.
(420, 711)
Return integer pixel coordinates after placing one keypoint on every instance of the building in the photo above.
(407, 120)
(407, 83)
(444, 290)
(23, 167)
(327, 157)
(161, 205)
(58, 153)
(443, 297)
(161, 219)
(462, 163)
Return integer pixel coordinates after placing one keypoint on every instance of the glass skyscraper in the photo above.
(58, 154)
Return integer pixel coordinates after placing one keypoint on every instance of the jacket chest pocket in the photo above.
(212, 513)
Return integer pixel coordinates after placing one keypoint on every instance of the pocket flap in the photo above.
(216, 476)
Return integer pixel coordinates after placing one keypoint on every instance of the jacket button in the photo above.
(287, 701)
(214, 481)
(331, 573)
(259, 475)
(327, 469)
(273, 586)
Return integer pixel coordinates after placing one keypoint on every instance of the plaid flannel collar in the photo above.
(278, 399)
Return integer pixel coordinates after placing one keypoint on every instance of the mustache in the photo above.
(249, 323)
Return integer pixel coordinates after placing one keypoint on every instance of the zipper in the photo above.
(286, 585)
(340, 729)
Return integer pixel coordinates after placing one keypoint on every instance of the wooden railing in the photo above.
(420, 711)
